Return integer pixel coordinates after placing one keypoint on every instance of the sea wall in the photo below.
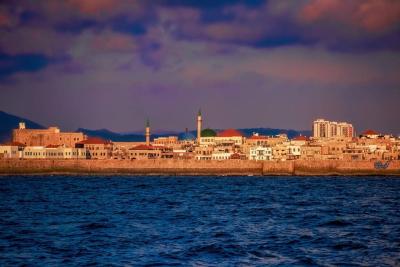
(193, 167)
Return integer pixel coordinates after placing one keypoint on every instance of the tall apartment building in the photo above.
(332, 129)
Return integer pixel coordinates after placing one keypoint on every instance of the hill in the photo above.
(118, 137)
(9, 122)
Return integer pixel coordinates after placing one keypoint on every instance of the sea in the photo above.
(199, 221)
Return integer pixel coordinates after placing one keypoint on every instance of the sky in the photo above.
(281, 64)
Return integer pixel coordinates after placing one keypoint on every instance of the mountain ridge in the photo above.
(8, 122)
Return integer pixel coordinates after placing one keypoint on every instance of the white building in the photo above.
(60, 152)
(53, 152)
(34, 152)
(260, 153)
(207, 141)
(229, 136)
(11, 150)
(221, 155)
(294, 151)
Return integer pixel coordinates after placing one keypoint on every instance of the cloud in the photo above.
(94, 7)
(5, 20)
(32, 39)
(379, 15)
(21, 63)
(233, 58)
(376, 16)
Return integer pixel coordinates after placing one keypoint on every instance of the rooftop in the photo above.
(94, 141)
(369, 132)
(230, 133)
(13, 144)
(300, 138)
(142, 147)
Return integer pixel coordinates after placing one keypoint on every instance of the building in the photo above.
(45, 137)
(331, 129)
(207, 137)
(300, 140)
(280, 151)
(61, 152)
(262, 140)
(294, 151)
(11, 150)
(221, 155)
(203, 152)
(311, 152)
(34, 152)
(96, 148)
(229, 136)
(166, 141)
(257, 140)
(144, 152)
(182, 154)
(371, 134)
(260, 153)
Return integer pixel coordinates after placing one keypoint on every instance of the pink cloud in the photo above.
(113, 42)
(93, 7)
(233, 32)
(369, 15)
(34, 40)
(378, 15)
(318, 9)
(5, 20)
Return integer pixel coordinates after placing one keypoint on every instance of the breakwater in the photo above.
(193, 167)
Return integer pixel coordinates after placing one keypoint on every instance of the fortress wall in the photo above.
(342, 167)
(193, 167)
(159, 166)
(278, 168)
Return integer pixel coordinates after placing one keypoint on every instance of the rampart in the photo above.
(193, 167)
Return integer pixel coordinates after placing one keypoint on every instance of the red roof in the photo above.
(13, 144)
(300, 138)
(142, 147)
(94, 141)
(230, 133)
(235, 156)
(370, 132)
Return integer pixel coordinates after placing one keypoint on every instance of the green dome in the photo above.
(208, 133)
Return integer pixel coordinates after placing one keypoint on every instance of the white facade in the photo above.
(217, 155)
(260, 153)
(236, 140)
(34, 152)
(207, 141)
(65, 153)
(39, 152)
(9, 152)
(294, 151)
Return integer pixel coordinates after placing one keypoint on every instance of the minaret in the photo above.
(147, 133)
(199, 121)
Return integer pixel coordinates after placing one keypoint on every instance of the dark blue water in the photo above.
(199, 221)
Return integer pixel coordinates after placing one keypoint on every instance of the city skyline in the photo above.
(279, 64)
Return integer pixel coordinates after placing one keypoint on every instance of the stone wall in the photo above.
(45, 137)
(193, 167)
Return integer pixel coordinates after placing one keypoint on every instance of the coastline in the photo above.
(170, 167)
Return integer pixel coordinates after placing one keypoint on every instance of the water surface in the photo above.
(199, 221)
